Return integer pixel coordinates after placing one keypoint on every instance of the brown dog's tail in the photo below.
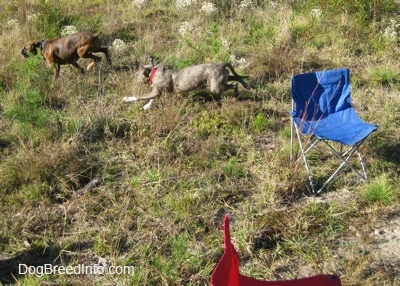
(237, 77)
(96, 34)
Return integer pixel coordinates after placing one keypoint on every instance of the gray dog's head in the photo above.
(31, 48)
(143, 73)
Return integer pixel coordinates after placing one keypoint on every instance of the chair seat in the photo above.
(336, 127)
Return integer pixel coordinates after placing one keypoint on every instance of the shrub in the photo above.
(53, 20)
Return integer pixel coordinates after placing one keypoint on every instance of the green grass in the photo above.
(380, 191)
(169, 174)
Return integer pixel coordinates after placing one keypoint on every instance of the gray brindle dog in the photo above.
(215, 76)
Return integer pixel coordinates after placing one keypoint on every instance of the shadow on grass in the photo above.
(11, 268)
(390, 153)
(14, 268)
(204, 95)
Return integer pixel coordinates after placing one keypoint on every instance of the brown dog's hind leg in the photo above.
(104, 50)
(91, 56)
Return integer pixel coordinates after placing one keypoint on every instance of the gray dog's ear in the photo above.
(152, 61)
(146, 70)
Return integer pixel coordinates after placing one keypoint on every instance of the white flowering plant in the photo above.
(391, 31)
(13, 23)
(68, 30)
(208, 8)
(119, 47)
(180, 4)
(139, 3)
(185, 28)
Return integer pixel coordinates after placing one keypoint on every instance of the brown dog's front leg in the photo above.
(95, 59)
(81, 70)
(57, 71)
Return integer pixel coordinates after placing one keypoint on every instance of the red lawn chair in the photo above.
(226, 273)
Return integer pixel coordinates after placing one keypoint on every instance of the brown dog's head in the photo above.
(31, 48)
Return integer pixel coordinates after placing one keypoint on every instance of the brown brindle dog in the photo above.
(68, 50)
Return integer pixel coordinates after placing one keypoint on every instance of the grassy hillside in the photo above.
(166, 176)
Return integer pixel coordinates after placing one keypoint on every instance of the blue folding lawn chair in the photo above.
(324, 113)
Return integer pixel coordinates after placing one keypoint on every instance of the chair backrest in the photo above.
(318, 94)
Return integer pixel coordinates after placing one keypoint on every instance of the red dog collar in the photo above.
(153, 72)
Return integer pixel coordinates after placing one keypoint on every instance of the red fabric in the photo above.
(226, 273)
(153, 72)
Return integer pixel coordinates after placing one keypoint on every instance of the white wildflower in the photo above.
(208, 8)
(139, 3)
(179, 4)
(238, 61)
(390, 32)
(226, 43)
(32, 17)
(119, 46)
(185, 28)
(13, 24)
(245, 4)
(68, 30)
(316, 13)
(273, 4)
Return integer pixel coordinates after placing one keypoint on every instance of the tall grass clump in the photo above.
(28, 107)
(363, 11)
(261, 123)
(384, 76)
(379, 191)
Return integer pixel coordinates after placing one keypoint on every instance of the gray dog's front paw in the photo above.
(148, 104)
(130, 98)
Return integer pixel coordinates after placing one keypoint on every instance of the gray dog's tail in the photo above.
(237, 77)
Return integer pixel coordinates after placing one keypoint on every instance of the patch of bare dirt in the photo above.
(378, 243)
